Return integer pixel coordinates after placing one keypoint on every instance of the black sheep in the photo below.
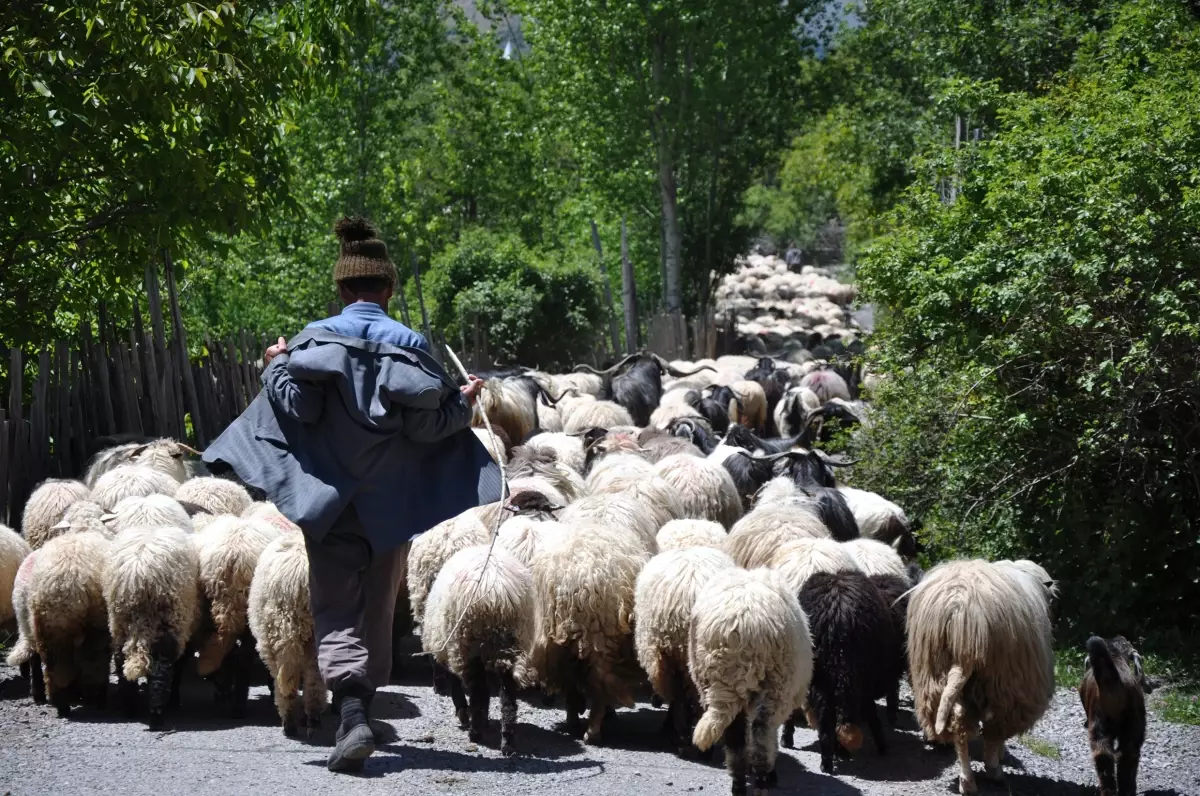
(895, 593)
(713, 409)
(639, 389)
(1113, 692)
(774, 382)
(856, 660)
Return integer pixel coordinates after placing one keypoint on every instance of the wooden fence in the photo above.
(117, 381)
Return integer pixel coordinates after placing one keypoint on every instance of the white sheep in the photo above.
(754, 539)
(131, 481)
(880, 519)
(980, 658)
(567, 449)
(798, 560)
(682, 534)
(827, 384)
(163, 455)
(13, 550)
(268, 512)
(583, 585)
(229, 549)
(1036, 579)
(509, 405)
(67, 619)
(665, 414)
(46, 507)
(152, 591)
(706, 490)
(523, 536)
(750, 656)
(214, 495)
(479, 620)
(84, 515)
(432, 549)
(580, 414)
(666, 590)
(151, 511)
(876, 558)
(282, 624)
(616, 512)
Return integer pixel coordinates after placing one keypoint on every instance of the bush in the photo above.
(533, 309)
(1042, 335)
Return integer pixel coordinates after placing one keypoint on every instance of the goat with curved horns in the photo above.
(639, 389)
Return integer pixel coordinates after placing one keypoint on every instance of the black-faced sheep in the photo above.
(1113, 693)
(152, 590)
(979, 653)
(750, 657)
(46, 507)
(281, 620)
(793, 409)
(666, 591)
(479, 621)
(68, 623)
(583, 582)
(857, 659)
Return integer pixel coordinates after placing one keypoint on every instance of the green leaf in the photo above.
(41, 88)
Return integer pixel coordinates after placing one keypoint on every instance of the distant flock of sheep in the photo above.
(683, 533)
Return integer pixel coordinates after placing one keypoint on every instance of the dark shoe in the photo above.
(355, 741)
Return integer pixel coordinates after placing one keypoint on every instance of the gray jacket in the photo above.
(348, 422)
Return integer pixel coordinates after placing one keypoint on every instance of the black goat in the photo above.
(811, 471)
(698, 433)
(774, 382)
(856, 660)
(639, 389)
(714, 408)
(1113, 692)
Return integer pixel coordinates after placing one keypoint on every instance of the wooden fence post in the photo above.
(608, 299)
(181, 356)
(628, 294)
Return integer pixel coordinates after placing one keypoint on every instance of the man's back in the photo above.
(367, 321)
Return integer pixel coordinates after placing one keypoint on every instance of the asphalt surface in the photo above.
(97, 752)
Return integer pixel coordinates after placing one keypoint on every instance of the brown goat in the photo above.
(1113, 695)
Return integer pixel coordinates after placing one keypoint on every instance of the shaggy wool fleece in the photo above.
(706, 490)
(876, 558)
(13, 551)
(215, 495)
(46, 507)
(755, 538)
(798, 560)
(131, 481)
(682, 534)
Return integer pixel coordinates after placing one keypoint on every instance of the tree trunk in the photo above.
(668, 190)
(416, 269)
(613, 331)
(628, 294)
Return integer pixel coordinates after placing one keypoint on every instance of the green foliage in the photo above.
(1040, 747)
(532, 308)
(131, 126)
(1042, 331)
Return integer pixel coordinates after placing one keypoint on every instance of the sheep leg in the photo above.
(508, 714)
(595, 720)
(966, 779)
(827, 735)
(441, 679)
(314, 697)
(735, 754)
(576, 704)
(1127, 768)
(789, 732)
(762, 751)
(876, 726)
(161, 683)
(993, 753)
(1105, 762)
(479, 698)
(243, 664)
(681, 716)
(287, 689)
(460, 701)
(37, 680)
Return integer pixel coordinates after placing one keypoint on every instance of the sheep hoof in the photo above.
(289, 728)
(772, 779)
(656, 701)
(507, 749)
(993, 774)
(966, 785)
(827, 767)
(155, 721)
(474, 736)
(63, 709)
(464, 720)
(592, 737)
(686, 752)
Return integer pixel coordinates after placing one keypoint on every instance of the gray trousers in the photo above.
(352, 593)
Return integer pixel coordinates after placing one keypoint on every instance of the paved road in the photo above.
(98, 753)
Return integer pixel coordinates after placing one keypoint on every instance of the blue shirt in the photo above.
(366, 321)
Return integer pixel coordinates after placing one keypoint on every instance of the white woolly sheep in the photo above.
(798, 560)
(229, 550)
(13, 550)
(827, 384)
(151, 511)
(750, 656)
(583, 585)
(666, 590)
(979, 653)
(85, 515)
(549, 419)
(479, 620)
(46, 507)
(683, 534)
(215, 495)
(131, 481)
(579, 415)
(880, 519)
(268, 512)
(1035, 578)
(509, 405)
(282, 624)
(617, 513)
(22, 655)
(876, 558)
(665, 414)
(582, 383)
(523, 536)
(706, 490)
(152, 590)
(567, 450)
(432, 549)
(163, 455)
(67, 619)
(754, 539)
(753, 400)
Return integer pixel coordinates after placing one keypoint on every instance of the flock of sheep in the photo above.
(684, 532)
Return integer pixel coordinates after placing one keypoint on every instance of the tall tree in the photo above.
(696, 94)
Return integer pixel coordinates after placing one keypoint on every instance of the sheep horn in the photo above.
(772, 456)
(607, 371)
(832, 462)
(551, 401)
(676, 372)
(189, 449)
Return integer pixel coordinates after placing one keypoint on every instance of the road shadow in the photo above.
(794, 778)
(639, 729)
(13, 686)
(393, 758)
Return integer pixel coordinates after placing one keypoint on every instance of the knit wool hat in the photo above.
(363, 254)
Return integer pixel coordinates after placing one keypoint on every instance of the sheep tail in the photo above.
(712, 725)
(956, 683)
(1100, 659)
(137, 659)
(20, 654)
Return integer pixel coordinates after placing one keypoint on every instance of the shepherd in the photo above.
(360, 438)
